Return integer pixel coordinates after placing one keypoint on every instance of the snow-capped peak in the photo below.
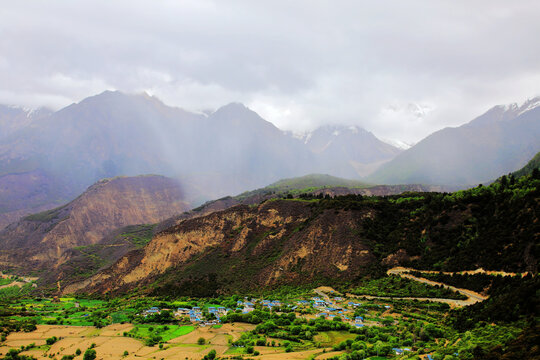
(398, 143)
(529, 105)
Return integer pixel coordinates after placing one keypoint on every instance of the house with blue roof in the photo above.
(399, 351)
(152, 311)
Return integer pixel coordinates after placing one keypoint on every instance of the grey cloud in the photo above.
(299, 63)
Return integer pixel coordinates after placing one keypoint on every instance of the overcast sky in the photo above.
(401, 69)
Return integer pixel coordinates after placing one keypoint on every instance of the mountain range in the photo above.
(48, 160)
(500, 141)
(46, 239)
(314, 239)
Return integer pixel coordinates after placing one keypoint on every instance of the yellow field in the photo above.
(110, 344)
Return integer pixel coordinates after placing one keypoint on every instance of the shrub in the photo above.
(51, 340)
(89, 354)
(211, 355)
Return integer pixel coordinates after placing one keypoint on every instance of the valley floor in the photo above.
(393, 326)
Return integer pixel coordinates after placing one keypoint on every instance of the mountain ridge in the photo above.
(314, 240)
(228, 151)
(42, 239)
(497, 142)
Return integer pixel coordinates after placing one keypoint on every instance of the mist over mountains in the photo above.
(48, 158)
(501, 140)
(46, 161)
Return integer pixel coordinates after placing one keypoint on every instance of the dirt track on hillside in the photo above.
(472, 296)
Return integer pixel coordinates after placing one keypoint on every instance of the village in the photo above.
(325, 307)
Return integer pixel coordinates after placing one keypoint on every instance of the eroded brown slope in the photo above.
(42, 239)
(246, 246)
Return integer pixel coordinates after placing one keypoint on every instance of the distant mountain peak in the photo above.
(232, 108)
(529, 105)
(518, 109)
(398, 143)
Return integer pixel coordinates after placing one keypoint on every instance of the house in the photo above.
(221, 310)
(152, 311)
(248, 307)
(399, 351)
(181, 312)
(194, 316)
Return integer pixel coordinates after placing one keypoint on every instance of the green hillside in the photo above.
(315, 181)
(534, 163)
(303, 184)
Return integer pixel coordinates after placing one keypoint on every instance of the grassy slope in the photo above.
(534, 163)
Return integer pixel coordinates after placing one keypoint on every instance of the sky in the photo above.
(400, 69)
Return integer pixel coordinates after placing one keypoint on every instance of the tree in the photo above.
(504, 181)
(211, 355)
(201, 341)
(89, 354)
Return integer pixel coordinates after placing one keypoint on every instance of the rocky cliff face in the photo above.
(252, 244)
(42, 239)
(314, 239)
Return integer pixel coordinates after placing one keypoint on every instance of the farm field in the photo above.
(324, 323)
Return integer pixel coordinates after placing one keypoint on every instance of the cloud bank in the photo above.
(401, 69)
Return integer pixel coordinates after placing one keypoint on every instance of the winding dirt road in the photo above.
(472, 296)
(20, 283)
